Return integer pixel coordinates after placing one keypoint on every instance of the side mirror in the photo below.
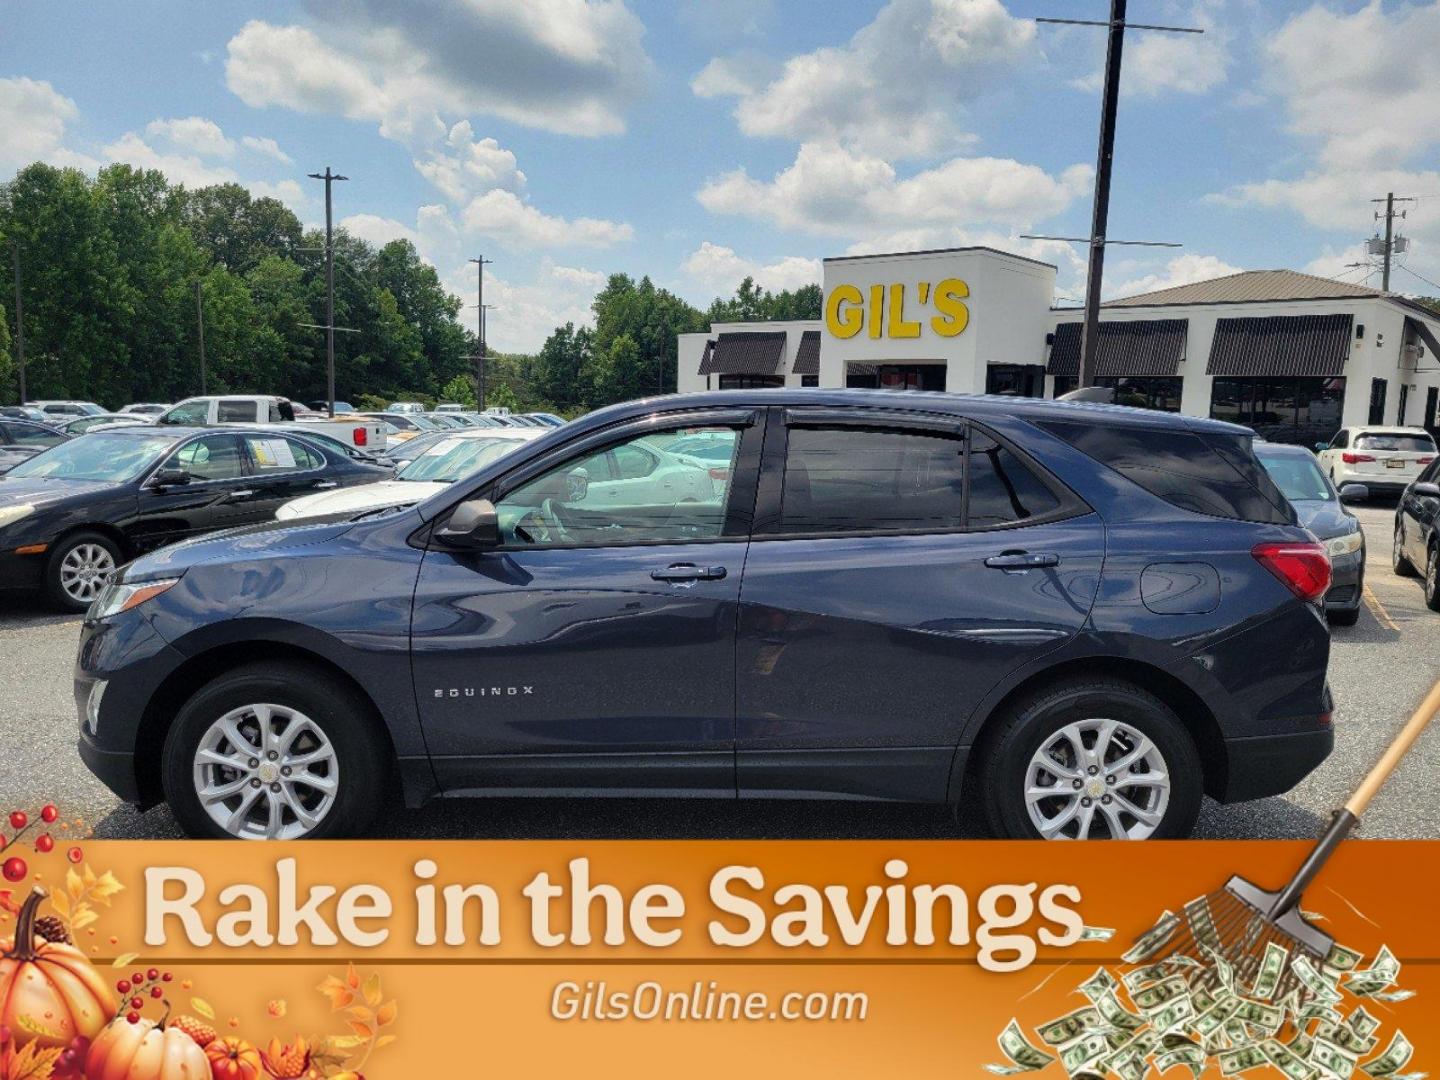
(1354, 493)
(1426, 491)
(577, 483)
(472, 524)
(169, 478)
(1321, 446)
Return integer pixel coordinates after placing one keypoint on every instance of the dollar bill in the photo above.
(1213, 1019)
(1391, 996)
(1153, 940)
(1115, 1014)
(1023, 1056)
(1083, 1052)
(1345, 1037)
(1267, 1017)
(1097, 933)
(1241, 1059)
(1333, 1059)
(1319, 987)
(1102, 982)
(1396, 1056)
(1361, 1022)
(1192, 1057)
(1342, 959)
(1380, 975)
(1287, 1061)
(1069, 1027)
(1142, 976)
(1223, 971)
(1272, 966)
(1151, 998)
(1173, 1015)
(1302, 1044)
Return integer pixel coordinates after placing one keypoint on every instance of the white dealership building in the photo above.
(1293, 355)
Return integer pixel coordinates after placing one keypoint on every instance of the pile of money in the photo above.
(1198, 1012)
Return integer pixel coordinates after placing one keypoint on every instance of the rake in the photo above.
(1238, 922)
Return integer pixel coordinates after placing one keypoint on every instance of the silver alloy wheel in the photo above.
(1431, 584)
(266, 772)
(1094, 777)
(84, 571)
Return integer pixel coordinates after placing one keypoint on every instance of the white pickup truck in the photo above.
(360, 431)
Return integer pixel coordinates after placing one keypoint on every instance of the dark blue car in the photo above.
(1085, 617)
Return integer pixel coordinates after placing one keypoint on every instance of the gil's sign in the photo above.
(883, 313)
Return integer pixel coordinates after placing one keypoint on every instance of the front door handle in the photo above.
(1021, 560)
(325, 485)
(235, 496)
(688, 572)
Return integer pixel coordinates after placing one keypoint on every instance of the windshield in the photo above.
(1298, 478)
(1386, 440)
(450, 459)
(111, 458)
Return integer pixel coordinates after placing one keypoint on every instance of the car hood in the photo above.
(246, 542)
(46, 491)
(1325, 519)
(355, 500)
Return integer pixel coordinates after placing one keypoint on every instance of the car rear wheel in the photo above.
(1432, 572)
(275, 752)
(1098, 759)
(1402, 566)
(79, 566)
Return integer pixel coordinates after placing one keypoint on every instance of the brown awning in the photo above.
(807, 357)
(1281, 345)
(745, 353)
(1128, 347)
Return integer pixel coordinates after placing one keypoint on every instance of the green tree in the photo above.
(650, 318)
(751, 303)
(460, 390)
(560, 366)
(236, 230)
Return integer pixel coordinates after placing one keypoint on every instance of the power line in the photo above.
(1422, 277)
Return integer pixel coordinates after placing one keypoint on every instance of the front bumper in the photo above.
(1347, 582)
(21, 571)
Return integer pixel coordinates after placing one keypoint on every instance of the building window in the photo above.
(1161, 393)
(895, 377)
(1377, 401)
(1015, 380)
(809, 380)
(749, 382)
(1281, 409)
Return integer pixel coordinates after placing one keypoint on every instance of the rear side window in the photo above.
(281, 412)
(848, 479)
(1403, 442)
(1213, 474)
(235, 411)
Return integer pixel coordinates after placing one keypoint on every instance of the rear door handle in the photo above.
(236, 496)
(1021, 560)
(689, 572)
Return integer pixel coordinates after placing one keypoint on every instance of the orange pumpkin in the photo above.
(233, 1059)
(145, 1051)
(50, 984)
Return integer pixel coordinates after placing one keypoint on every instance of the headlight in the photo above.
(11, 514)
(1344, 545)
(114, 598)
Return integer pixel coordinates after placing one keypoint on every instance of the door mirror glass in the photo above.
(1356, 493)
(1319, 446)
(473, 524)
(1428, 491)
(169, 476)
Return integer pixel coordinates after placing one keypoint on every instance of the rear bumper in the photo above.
(1347, 580)
(1268, 765)
(114, 768)
(1378, 483)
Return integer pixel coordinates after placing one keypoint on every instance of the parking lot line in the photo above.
(1378, 609)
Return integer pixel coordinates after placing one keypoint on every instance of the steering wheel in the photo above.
(542, 525)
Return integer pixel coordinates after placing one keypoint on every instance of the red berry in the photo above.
(44, 843)
(3, 842)
(137, 1002)
(123, 986)
(15, 869)
(49, 813)
(156, 991)
(166, 977)
(75, 854)
(19, 819)
(138, 978)
(133, 1017)
(152, 974)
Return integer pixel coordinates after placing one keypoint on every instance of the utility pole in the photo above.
(19, 323)
(1393, 244)
(329, 179)
(200, 327)
(1109, 108)
(480, 265)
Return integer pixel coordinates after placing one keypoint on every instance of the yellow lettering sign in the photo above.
(949, 302)
(842, 317)
(882, 314)
(899, 326)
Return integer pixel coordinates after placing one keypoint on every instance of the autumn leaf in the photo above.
(360, 1012)
(61, 903)
(339, 994)
(352, 977)
(106, 887)
(344, 1042)
(386, 1013)
(365, 1031)
(84, 915)
(372, 989)
(32, 1063)
(73, 885)
(384, 1040)
(35, 1027)
(124, 959)
(203, 1007)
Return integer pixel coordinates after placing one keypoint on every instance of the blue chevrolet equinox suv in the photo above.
(1084, 617)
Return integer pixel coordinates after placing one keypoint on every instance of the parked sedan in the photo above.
(1417, 533)
(1321, 509)
(1384, 459)
(454, 457)
(21, 440)
(145, 408)
(81, 424)
(71, 515)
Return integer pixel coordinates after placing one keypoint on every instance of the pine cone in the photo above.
(52, 929)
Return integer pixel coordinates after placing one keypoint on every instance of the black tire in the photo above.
(60, 586)
(1432, 578)
(1007, 750)
(361, 750)
(1343, 617)
(1402, 566)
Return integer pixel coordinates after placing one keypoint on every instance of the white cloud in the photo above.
(578, 276)
(179, 168)
(832, 190)
(1157, 63)
(1181, 270)
(570, 66)
(525, 314)
(719, 269)
(193, 133)
(892, 90)
(502, 215)
(40, 135)
(266, 147)
(377, 230)
(464, 166)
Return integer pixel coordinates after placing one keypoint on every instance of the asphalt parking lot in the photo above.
(1379, 669)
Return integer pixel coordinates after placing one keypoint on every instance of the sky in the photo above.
(698, 141)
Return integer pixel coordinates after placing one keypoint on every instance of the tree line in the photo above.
(114, 267)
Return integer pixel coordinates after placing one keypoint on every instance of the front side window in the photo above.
(215, 457)
(588, 500)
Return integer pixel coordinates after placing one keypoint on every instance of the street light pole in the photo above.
(200, 326)
(480, 265)
(329, 179)
(19, 324)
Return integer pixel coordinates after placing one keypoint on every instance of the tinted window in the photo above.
(631, 462)
(215, 457)
(1384, 440)
(1213, 475)
(32, 435)
(1002, 490)
(192, 412)
(235, 410)
(1297, 476)
(284, 412)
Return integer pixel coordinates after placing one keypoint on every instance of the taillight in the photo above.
(362, 437)
(1424, 460)
(1304, 568)
(1354, 459)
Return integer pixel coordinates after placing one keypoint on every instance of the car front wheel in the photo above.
(79, 566)
(275, 752)
(1398, 562)
(1093, 759)
(1432, 578)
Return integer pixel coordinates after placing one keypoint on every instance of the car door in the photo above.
(1418, 517)
(281, 469)
(595, 647)
(1331, 454)
(211, 498)
(899, 568)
